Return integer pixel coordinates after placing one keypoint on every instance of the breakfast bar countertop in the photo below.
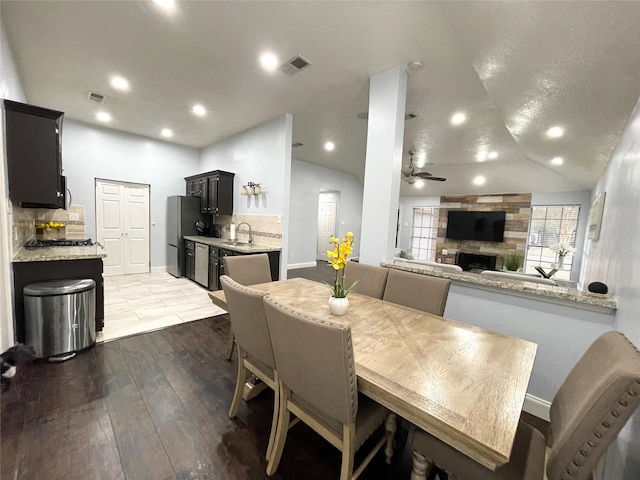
(52, 254)
(516, 287)
(241, 247)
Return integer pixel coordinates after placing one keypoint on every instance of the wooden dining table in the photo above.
(461, 383)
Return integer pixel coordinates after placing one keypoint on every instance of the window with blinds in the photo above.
(424, 233)
(550, 225)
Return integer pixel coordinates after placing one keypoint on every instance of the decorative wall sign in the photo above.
(595, 220)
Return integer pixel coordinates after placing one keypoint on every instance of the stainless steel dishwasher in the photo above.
(202, 264)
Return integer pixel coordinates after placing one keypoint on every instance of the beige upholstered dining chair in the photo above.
(318, 384)
(591, 407)
(255, 354)
(246, 270)
(371, 279)
(421, 292)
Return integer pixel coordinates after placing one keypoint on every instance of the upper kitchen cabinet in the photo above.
(34, 160)
(215, 190)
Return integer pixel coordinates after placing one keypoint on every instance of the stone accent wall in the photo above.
(518, 208)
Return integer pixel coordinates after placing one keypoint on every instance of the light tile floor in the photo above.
(141, 303)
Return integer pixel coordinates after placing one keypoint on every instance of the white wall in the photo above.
(10, 88)
(615, 260)
(307, 181)
(90, 152)
(255, 155)
(407, 204)
(582, 198)
(262, 155)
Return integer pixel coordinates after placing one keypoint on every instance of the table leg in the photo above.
(252, 388)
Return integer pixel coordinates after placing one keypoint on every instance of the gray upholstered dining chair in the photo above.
(255, 354)
(591, 407)
(246, 270)
(371, 279)
(318, 384)
(414, 290)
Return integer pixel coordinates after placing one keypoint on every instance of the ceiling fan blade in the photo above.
(437, 179)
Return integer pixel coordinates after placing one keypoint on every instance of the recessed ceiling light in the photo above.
(103, 117)
(458, 118)
(557, 161)
(479, 180)
(481, 157)
(419, 183)
(168, 4)
(329, 146)
(555, 132)
(166, 133)
(120, 83)
(493, 155)
(269, 61)
(199, 110)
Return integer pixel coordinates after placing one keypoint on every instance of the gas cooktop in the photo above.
(58, 243)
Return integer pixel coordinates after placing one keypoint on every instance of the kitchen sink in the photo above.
(236, 243)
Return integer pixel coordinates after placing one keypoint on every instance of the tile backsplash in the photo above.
(266, 229)
(25, 220)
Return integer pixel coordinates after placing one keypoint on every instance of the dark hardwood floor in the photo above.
(154, 406)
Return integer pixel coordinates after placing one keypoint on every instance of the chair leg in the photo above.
(421, 467)
(274, 421)
(281, 430)
(390, 426)
(240, 380)
(232, 341)
(348, 450)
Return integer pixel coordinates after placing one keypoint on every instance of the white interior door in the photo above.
(326, 226)
(122, 225)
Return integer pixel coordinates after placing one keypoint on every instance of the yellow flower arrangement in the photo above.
(338, 260)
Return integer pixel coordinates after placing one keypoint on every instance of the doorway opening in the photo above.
(328, 203)
(122, 226)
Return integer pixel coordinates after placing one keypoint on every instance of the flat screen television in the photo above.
(474, 225)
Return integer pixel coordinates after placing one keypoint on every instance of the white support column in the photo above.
(387, 97)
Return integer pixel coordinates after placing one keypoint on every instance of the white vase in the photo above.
(560, 261)
(338, 306)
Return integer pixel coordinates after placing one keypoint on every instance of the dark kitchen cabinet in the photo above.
(25, 273)
(34, 159)
(190, 263)
(215, 190)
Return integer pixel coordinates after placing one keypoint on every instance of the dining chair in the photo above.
(318, 384)
(591, 407)
(255, 354)
(522, 277)
(246, 270)
(371, 279)
(422, 292)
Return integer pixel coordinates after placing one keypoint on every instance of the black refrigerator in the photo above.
(182, 215)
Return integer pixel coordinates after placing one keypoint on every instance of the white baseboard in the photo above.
(293, 266)
(537, 407)
(162, 268)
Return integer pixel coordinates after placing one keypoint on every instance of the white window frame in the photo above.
(424, 247)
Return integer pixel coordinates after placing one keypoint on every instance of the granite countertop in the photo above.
(51, 254)
(512, 286)
(223, 243)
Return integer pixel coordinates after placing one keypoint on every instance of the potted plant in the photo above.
(338, 302)
(562, 249)
(513, 261)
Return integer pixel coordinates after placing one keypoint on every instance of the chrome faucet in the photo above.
(250, 232)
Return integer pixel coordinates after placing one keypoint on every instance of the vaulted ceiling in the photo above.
(514, 68)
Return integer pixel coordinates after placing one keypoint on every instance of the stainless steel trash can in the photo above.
(60, 316)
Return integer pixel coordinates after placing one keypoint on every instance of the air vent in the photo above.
(297, 144)
(96, 97)
(294, 65)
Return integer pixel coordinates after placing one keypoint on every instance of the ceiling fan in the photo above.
(410, 174)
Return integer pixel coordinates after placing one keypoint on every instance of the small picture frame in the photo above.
(595, 220)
